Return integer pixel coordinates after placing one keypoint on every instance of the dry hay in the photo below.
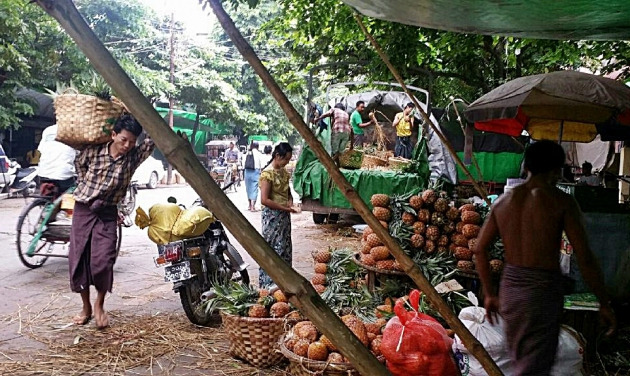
(161, 344)
(379, 137)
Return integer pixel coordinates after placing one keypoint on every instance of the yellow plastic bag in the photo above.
(193, 222)
(161, 219)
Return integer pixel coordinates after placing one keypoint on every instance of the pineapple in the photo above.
(470, 231)
(471, 217)
(416, 202)
(419, 228)
(385, 264)
(317, 351)
(496, 266)
(371, 337)
(365, 248)
(318, 279)
(376, 326)
(329, 345)
(438, 218)
(424, 215)
(408, 218)
(306, 330)
(397, 265)
(375, 345)
(301, 347)
(323, 255)
(368, 260)
(321, 268)
(443, 241)
(384, 224)
(442, 249)
(441, 205)
(335, 357)
(263, 293)
(467, 207)
(430, 247)
(463, 253)
(290, 343)
(383, 310)
(380, 200)
(465, 265)
(472, 244)
(433, 233)
(380, 253)
(279, 309)
(374, 241)
(417, 241)
(429, 196)
(448, 227)
(357, 327)
(258, 311)
(382, 214)
(367, 232)
(319, 288)
(452, 213)
(459, 227)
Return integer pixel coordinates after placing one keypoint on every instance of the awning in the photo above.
(186, 120)
(543, 19)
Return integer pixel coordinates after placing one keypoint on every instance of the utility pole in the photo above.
(171, 101)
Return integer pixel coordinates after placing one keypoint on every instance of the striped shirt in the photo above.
(100, 176)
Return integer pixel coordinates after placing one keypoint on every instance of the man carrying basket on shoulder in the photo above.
(103, 174)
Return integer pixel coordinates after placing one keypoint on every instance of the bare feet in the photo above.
(83, 318)
(102, 320)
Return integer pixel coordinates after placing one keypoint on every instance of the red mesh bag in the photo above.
(416, 344)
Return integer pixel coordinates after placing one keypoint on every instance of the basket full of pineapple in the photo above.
(254, 321)
(84, 119)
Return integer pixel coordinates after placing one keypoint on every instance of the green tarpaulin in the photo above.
(186, 120)
(544, 19)
(311, 180)
(495, 167)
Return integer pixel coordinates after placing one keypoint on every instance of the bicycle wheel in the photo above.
(28, 223)
(119, 239)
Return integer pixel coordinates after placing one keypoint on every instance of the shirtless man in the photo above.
(530, 220)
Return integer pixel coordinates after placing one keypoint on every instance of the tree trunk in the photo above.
(174, 148)
(348, 191)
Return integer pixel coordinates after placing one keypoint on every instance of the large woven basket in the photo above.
(398, 163)
(351, 158)
(372, 161)
(301, 366)
(255, 340)
(85, 119)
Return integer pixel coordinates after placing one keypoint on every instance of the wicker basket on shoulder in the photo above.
(255, 340)
(398, 163)
(351, 159)
(301, 366)
(372, 161)
(85, 119)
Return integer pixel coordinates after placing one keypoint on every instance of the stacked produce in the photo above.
(246, 301)
(319, 279)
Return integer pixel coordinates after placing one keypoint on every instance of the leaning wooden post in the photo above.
(179, 153)
(348, 191)
(426, 117)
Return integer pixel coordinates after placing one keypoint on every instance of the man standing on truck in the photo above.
(530, 220)
(403, 121)
(341, 130)
(103, 174)
(357, 124)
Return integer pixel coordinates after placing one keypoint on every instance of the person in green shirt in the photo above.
(357, 124)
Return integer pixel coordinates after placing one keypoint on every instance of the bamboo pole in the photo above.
(463, 127)
(408, 266)
(426, 117)
(178, 152)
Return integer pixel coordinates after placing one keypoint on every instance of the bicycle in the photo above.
(44, 224)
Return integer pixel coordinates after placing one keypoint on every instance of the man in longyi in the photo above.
(103, 174)
(530, 220)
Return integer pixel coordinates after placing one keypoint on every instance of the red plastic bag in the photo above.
(416, 344)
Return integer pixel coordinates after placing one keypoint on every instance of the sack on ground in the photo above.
(193, 222)
(161, 219)
(249, 161)
(416, 344)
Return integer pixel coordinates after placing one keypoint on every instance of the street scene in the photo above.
(333, 188)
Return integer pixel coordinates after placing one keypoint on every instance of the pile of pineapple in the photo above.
(426, 224)
(248, 301)
(305, 340)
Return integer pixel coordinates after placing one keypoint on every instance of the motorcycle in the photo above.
(19, 180)
(194, 265)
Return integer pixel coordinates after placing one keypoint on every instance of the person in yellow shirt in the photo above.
(403, 122)
(32, 157)
(275, 196)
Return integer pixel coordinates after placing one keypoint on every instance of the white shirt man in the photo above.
(57, 159)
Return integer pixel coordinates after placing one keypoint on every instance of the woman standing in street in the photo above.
(252, 174)
(277, 204)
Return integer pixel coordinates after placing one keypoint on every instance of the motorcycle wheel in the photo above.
(28, 223)
(190, 296)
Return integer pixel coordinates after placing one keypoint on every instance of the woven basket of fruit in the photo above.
(303, 366)
(351, 158)
(254, 321)
(86, 119)
(371, 161)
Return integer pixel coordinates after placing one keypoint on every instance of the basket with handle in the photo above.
(85, 119)
(255, 340)
(351, 159)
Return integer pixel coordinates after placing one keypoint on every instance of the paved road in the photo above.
(139, 286)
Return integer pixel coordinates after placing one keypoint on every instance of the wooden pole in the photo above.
(426, 117)
(178, 152)
(408, 266)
